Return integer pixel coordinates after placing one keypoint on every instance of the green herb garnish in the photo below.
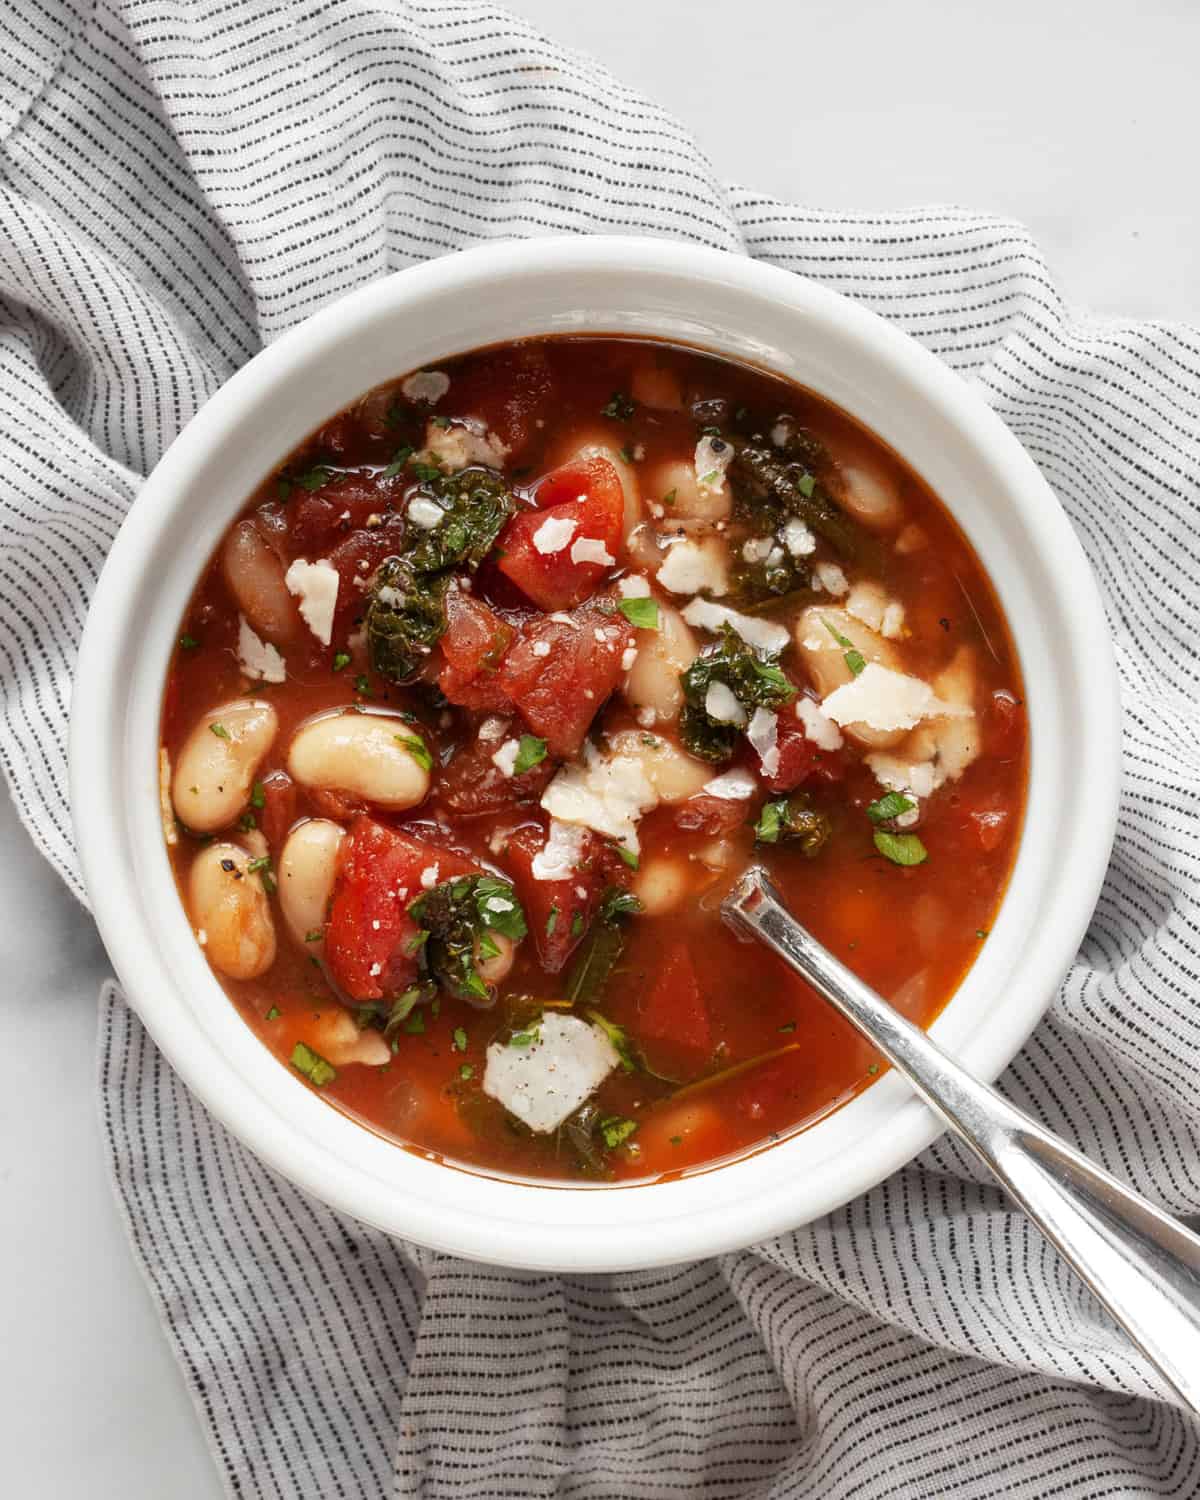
(794, 820)
(188, 642)
(258, 795)
(417, 749)
(640, 612)
(459, 1041)
(524, 1038)
(312, 1065)
(853, 657)
(314, 935)
(616, 1131)
(219, 730)
(458, 917)
(901, 848)
(530, 752)
(619, 1038)
(756, 681)
(466, 1072)
(620, 407)
(341, 661)
(628, 856)
(399, 459)
(274, 1013)
(889, 806)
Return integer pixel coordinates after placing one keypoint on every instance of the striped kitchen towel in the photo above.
(180, 181)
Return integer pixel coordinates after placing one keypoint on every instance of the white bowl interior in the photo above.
(925, 412)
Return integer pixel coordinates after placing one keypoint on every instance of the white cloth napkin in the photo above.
(181, 180)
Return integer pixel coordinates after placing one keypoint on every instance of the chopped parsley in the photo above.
(530, 752)
(625, 454)
(258, 795)
(577, 924)
(399, 459)
(417, 749)
(552, 921)
(901, 848)
(628, 856)
(788, 1026)
(247, 823)
(312, 1065)
(892, 805)
(459, 1041)
(669, 498)
(466, 1072)
(274, 1013)
(362, 686)
(641, 613)
(853, 658)
(524, 1038)
(314, 935)
(188, 642)
(220, 731)
(616, 1131)
(341, 661)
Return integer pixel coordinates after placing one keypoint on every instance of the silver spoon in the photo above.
(1140, 1263)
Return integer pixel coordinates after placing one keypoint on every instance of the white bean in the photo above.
(662, 654)
(363, 754)
(496, 968)
(598, 446)
(824, 658)
(690, 501)
(229, 905)
(661, 885)
(307, 867)
(672, 773)
(337, 1037)
(217, 764)
(254, 573)
(869, 495)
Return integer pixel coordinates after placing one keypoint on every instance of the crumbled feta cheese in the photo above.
(887, 700)
(544, 1083)
(647, 717)
(460, 446)
(166, 807)
(628, 657)
(505, 759)
(891, 627)
(553, 534)
(589, 549)
(734, 786)
(498, 904)
(780, 434)
(634, 586)
(758, 548)
(818, 726)
(316, 586)
(201, 936)
(425, 513)
(607, 794)
(560, 617)
(540, 648)
(797, 538)
(721, 704)
(426, 385)
(561, 853)
(830, 577)
(690, 567)
(258, 658)
(429, 877)
(391, 596)
(492, 729)
(375, 970)
(763, 635)
(713, 457)
(763, 734)
(913, 778)
(639, 452)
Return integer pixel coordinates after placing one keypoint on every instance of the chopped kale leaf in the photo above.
(755, 680)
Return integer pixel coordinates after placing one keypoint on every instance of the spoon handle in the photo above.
(1140, 1263)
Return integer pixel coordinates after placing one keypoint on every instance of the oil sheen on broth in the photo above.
(496, 686)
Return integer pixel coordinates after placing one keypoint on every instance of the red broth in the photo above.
(511, 667)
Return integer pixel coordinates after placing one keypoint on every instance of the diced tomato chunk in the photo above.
(558, 912)
(368, 941)
(279, 807)
(799, 759)
(712, 815)
(472, 782)
(560, 673)
(507, 391)
(585, 497)
(1003, 724)
(473, 648)
(673, 1027)
(320, 518)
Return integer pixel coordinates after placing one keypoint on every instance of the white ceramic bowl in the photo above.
(634, 286)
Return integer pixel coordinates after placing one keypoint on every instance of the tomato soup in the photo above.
(496, 686)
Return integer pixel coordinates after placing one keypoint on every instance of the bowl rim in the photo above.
(518, 1223)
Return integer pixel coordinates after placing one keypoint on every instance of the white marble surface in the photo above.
(1078, 120)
